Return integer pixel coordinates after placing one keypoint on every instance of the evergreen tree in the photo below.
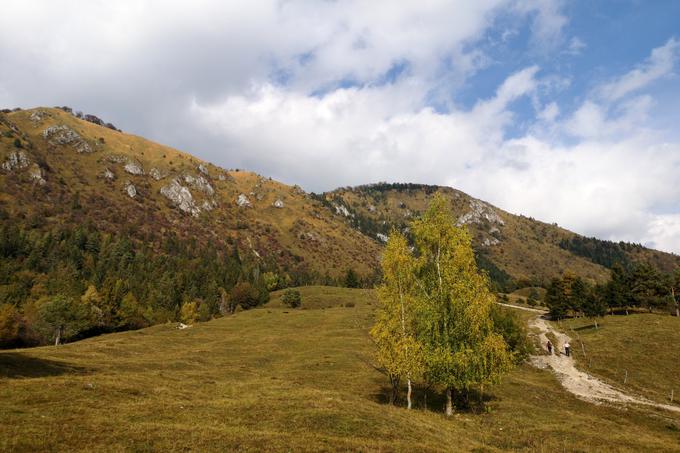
(351, 279)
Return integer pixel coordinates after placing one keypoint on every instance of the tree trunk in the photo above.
(395, 390)
(408, 394)
(449, 401)
(57, 336)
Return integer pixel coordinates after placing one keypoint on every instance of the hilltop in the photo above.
(58, 169)
(515, 250)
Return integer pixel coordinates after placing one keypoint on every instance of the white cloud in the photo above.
(576, 46)
(659, 64)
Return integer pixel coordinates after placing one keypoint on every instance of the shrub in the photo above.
(17, 143)
(292, 298)
(349, 304)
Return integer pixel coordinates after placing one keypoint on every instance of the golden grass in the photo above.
(276, 379)
(640, 349)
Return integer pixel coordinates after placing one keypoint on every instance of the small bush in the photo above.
(349, 304)
(17, 143)
(292, 298)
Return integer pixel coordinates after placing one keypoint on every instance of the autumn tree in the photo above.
(454, 324)
(399, 352)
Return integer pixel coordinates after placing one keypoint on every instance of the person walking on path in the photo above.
(567, 349)
(550, 347)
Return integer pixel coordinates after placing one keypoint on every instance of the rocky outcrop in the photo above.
(16, 161)
(278, 203)
(38, 115)
(134, 168)
(381, 237)
(200, 183)
(116, 158)
(243, 202)
(181, 197)
(108, 174)
(342, 209)
(209, 205)
(156, 174)
(479, 213)
(130, 189)
(488, 242)
(36, 175)
(64, 135)
(203, 169)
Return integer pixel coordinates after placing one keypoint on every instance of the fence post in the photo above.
(672, 395)
(625, 379)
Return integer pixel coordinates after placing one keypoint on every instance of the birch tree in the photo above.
(399, 352)
(454, 323)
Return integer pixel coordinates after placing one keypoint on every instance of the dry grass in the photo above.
(640, 349)
(275, 379)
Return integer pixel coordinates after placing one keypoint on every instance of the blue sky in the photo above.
(564, 111)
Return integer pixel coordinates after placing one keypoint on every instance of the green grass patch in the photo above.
(276, 379)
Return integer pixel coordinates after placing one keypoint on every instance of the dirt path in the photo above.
(579, 383)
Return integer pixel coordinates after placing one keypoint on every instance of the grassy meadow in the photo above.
(637, 353)
(277, 379)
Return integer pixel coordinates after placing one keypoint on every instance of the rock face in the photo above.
(131, 190)
(200, 183)
(36, 175)
(342, 209)
(134, 168)
(243, 201)
(156, 174)
(38, 116)
(278, 203)
(64, 135)
(181, 197)
(203, 169)
(16, 161)
(480, 212)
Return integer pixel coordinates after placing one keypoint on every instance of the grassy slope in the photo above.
(278, 379)
(643, 344)
(302, 233)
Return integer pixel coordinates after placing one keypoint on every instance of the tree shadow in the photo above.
(587, 327)
(425, 398)
(19, 366)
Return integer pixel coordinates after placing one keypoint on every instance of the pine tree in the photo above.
(399, 351)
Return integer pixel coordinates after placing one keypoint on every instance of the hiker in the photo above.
(549, 346)
(567, 349)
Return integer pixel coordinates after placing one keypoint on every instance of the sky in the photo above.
(568, 112)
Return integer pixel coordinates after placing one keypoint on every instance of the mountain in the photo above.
(515, 250)
(58, 169)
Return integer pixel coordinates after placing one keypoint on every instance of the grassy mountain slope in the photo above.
(58, 169)
(275, 379)
(508, 246)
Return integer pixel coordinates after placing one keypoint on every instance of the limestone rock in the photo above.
(116, 158)
(342, 209)
(130, 189)
(203, 169)
(181, 197)
(36, 175)
(134, 168)
(371, 208)
(243, 201)
(16, 161)
(490, 241)
(156, 174)
(39, 115)
(479, 212)
(108, 174)
(200, 183)
(64, 135)
(381, 237)
(278, 203)
(209, 205)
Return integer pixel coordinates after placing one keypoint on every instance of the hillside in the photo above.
(277, 379)
(515, 250)
(61, 170)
